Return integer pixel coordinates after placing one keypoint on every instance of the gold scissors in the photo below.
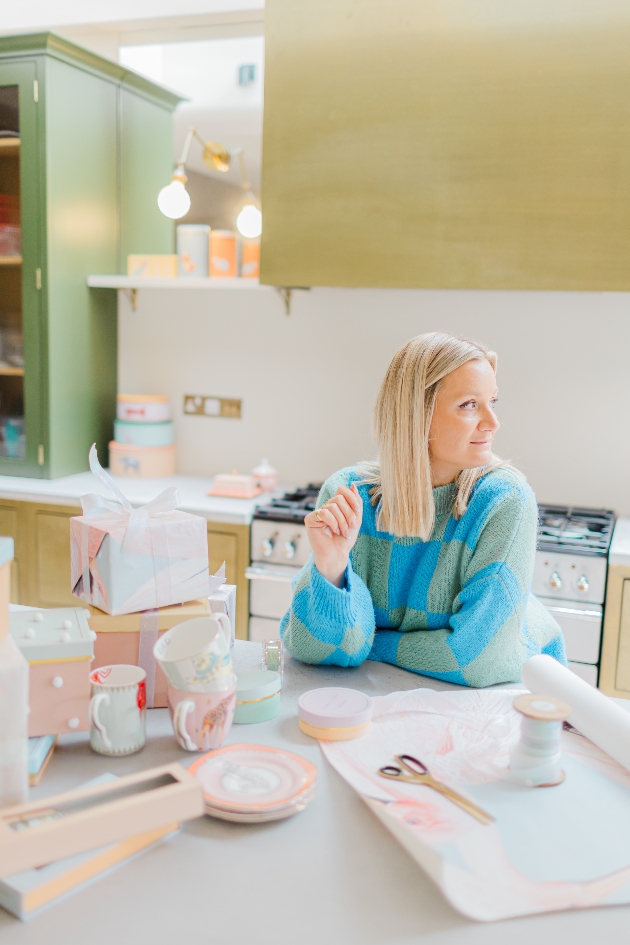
(412, 771)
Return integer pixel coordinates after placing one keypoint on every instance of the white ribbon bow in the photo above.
(137, 519)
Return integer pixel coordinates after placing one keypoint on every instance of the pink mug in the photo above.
(201, 720)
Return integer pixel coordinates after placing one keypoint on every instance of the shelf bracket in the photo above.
(132, 296)
(285, 292)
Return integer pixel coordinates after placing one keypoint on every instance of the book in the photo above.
(28, 893)
(40, 750)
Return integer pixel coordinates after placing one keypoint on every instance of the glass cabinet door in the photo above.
(21, 369)
(12, 434)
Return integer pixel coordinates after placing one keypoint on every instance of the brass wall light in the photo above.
(174, 200)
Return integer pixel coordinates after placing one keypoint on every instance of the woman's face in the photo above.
(464, 421)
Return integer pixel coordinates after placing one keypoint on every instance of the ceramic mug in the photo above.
(196, 653)
(201, 720)
(117, 710)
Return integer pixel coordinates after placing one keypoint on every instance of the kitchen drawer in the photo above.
(270, 592)
(581, 629)
(52, 707)
(262, 628)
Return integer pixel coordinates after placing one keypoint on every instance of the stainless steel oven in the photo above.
(279, 549)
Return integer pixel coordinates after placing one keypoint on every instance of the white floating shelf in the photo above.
(133, 282)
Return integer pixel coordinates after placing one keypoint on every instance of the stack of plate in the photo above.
(251, 784)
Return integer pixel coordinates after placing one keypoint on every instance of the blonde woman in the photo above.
(424, 559)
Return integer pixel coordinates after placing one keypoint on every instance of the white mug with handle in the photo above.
(117, 710)
(195, 654)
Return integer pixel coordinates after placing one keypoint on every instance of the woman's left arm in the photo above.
(496, 624)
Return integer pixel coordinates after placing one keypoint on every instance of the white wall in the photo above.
(308, 382)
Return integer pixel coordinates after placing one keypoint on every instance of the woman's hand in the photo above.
(332, 531)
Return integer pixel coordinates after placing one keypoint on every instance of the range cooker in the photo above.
(279, 549)
(570, 578)
(569, 572)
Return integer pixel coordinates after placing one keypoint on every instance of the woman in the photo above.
(424, 559)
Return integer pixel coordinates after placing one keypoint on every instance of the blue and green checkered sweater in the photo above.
(456, 607)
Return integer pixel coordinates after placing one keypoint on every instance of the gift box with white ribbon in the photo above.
(126, 560)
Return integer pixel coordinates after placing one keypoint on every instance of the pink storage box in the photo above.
(59, 647)
(125, 560)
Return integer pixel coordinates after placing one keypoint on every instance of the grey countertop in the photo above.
(331, 875)
(192, 492)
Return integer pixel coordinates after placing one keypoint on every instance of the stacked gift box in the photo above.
(142, 572)
(143, 437)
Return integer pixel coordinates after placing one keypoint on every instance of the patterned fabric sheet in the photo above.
(566, 847)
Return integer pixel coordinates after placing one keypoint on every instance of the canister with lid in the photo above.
(334, 714)
(257, 695)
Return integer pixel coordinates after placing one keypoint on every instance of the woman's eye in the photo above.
(469, 405)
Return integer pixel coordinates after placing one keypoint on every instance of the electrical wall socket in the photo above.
(201, 406)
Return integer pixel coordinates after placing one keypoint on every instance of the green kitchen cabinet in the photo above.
(85, 146)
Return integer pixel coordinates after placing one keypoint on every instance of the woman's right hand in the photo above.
(332, 531)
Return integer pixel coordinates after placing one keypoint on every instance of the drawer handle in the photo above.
(73, 723)
(57, 682)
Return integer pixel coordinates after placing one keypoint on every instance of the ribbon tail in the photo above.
(106, 479)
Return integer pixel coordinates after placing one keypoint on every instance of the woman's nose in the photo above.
(489, 421)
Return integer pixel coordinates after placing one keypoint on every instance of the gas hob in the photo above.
(292, 506)
(572, 530)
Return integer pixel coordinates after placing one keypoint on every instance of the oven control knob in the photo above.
(289, 549)
(582, 584)
(555, 581)
(267, 547)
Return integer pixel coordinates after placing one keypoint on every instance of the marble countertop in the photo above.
(192, 492)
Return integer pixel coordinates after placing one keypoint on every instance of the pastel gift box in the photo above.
(120, 640)
(234, 486)
(152, 266)
(223, 601)
(334, 714)
(6, 557)
(94, 816)
(59, 647)
(143, 408)
(126, 560)
(13, 723)
(144, 462)
(135, 433)
(257, 695)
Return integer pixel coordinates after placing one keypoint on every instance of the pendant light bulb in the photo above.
(174, 200)
(249, 221)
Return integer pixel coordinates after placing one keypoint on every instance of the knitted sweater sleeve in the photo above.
(492, 629)
(327, 624)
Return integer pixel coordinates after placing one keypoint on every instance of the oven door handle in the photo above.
(266, 574)
(574, 612)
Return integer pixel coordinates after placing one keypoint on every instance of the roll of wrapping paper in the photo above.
(593, 714)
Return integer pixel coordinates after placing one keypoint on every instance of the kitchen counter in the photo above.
(330, 874)
(192, 492)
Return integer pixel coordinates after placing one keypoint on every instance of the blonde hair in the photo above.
(402, 419)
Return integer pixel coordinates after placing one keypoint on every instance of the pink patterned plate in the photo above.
(261, 817)
(252, 778)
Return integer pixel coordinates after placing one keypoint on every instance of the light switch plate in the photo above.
(200, 405)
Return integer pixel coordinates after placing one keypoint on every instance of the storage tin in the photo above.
(193, 250)
(139, 408)
(250, 259)
(223, 254)
(334, 714)
(145, 462)
(257, 695)
(132, 433)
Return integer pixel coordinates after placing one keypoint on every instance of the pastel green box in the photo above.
(257, 695)
(132, 433)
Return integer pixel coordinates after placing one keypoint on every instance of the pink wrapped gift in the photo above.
(124, 560)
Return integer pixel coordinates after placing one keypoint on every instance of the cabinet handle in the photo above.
(57, 682)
